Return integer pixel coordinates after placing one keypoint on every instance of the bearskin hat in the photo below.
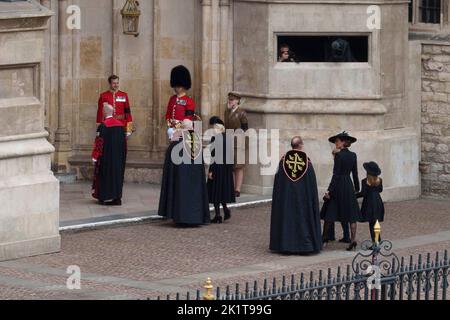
(180, 77)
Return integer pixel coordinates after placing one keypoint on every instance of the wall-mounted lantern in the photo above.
(130, 17)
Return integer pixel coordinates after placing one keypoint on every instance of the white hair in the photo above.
(188, 124)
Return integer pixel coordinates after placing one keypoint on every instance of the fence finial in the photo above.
(209, 290)
(377, 231)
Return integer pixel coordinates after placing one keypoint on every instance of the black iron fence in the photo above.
(375, 274)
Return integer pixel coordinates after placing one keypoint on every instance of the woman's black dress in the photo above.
(343, 205)
(372, 208)
(221, 187)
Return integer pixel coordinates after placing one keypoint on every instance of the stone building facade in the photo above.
(190, 32)
(435, 165)
(395, 100)
(224, 51)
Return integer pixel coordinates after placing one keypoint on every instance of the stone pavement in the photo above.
(157, 259)
(140, 202)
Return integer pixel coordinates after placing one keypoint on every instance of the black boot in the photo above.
(217, 219)
(352, 246)
(227, 214)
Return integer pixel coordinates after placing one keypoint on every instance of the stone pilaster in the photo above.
(65, 92)
(29, 193)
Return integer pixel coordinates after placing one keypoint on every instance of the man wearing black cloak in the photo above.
(295, 223)
(109, 157)
(184, 196)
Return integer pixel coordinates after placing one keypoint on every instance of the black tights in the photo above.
(217, 208)
(328, 225)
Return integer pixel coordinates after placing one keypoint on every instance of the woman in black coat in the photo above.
(341, 204)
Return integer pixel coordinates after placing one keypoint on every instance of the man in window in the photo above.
(286, 55)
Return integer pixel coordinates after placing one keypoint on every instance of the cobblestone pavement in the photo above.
(157, 259)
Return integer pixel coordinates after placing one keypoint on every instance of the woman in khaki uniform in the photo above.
(235, 119)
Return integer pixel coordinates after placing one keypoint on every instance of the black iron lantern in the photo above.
(130, 17)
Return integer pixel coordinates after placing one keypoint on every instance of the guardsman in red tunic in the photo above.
(120, 104)
(181, 107)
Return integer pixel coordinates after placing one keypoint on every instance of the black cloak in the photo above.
(111, 150)
(295, 222)
(184, 197)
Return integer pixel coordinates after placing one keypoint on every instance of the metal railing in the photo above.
(376, 273)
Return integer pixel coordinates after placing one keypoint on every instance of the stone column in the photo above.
(206, 58)
(65, 63)
(29, 193)
(215, 56)
(225, 61)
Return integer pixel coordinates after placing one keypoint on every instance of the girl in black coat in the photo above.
(341, 204)
(220, 177)
(372, 208)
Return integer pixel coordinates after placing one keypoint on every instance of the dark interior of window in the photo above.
(430, 11)
(410, 10)
(324, 48)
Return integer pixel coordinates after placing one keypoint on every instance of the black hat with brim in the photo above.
(180, 77)
(216, 120)
(372, 168)
(344, 136)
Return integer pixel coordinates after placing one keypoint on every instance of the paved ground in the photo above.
(152, 259)
(77, 206)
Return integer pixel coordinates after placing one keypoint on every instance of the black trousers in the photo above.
(345, 228)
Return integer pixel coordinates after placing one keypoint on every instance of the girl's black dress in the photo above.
(221, 187)
(372, 208)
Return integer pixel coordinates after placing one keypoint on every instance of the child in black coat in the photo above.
(220, 176)
(372, 208)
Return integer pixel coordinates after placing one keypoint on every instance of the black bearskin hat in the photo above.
(180, 77)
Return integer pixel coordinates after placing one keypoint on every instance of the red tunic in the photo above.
(180, 109)
(121, 104)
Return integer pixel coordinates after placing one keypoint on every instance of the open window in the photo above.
(323, 48)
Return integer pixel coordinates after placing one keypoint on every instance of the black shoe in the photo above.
(217, 219)
(227, 214)
(352, 246)
(237, 194)
(343, 240)
(117, 202)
